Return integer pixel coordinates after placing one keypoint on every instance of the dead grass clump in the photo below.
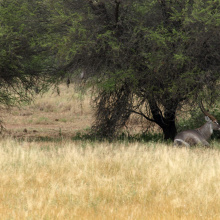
(82, 180)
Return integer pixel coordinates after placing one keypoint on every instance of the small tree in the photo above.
(146, 57)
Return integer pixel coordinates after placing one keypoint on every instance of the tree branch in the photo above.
(142, 114)
(156, 112)
(117, 2)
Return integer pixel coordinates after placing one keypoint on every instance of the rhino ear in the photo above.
(208, 119)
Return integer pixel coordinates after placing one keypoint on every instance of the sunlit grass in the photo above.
(48, 114)
(69, 100)
(81, 180)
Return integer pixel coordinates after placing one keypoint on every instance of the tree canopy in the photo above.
(145, 56)
(26, 61)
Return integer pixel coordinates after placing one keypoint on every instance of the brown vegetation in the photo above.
(78, 180)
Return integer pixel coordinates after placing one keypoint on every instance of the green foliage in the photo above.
(25, 57)
(164, 52)
(121, 137)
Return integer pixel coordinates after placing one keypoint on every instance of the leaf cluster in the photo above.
(26, 61)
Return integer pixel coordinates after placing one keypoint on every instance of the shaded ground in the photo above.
(47, 129)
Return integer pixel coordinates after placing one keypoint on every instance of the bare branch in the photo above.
(142, 114)
(117, 2)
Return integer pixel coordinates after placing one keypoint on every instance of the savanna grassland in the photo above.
(50, 115)
(62, 178)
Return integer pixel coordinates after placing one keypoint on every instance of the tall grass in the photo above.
(82, 180)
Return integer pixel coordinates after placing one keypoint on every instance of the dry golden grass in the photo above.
(98, 180)
(51, 114)
(81, 180)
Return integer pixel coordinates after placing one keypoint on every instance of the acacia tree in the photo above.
(26, 61)
(146, 57)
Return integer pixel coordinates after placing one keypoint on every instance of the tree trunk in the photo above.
(169, 130)
(169, 127)
(167, 120)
